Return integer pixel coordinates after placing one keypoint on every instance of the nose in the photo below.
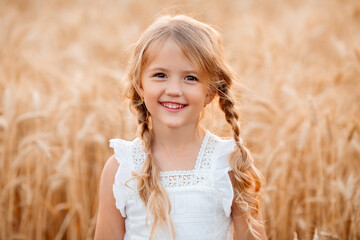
(174, 87)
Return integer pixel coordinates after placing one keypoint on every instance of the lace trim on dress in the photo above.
(184, 179)
(207, 156)
(195, 177)
(138, 156)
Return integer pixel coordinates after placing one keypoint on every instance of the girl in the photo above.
(178, 180)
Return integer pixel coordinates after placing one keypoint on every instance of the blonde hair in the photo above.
(202, 46)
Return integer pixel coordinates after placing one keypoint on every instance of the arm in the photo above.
(241, 228)
(110, 224)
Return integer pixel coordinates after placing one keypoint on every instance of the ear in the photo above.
(209, 97)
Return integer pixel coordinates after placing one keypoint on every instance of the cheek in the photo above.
(146, 90)
(150, 90)
(203, 95)
(151, 97)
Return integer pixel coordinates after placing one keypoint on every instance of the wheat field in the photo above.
(298, 91)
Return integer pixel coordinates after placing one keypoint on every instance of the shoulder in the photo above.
(122, 143)
(119, 141)
(107, 177)
(222, 150)
(222, 143)
(122, 148)
(110, 168)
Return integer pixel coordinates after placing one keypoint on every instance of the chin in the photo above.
(173, 125)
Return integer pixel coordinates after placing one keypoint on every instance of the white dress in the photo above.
(200, 198)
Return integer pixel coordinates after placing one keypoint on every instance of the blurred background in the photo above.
(61, 100)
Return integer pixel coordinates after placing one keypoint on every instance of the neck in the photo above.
(174, 140)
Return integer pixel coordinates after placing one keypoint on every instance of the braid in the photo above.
(246, 178)
(151, 191)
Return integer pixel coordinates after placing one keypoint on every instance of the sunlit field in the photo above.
(62, 64)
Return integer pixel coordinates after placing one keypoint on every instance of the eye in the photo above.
(191, 78)
(159, 75)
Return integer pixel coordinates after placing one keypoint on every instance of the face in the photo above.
(173, 88)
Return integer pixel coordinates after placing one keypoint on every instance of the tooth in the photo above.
(173, 105)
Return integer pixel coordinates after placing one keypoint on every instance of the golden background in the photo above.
(61, 69)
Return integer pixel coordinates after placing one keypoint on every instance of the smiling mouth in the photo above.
(173, 105)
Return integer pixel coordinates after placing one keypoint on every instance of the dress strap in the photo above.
(122, 150)
(221, 177)
(121, 189)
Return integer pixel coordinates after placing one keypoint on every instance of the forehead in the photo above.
(168, 52)
(169, 55)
